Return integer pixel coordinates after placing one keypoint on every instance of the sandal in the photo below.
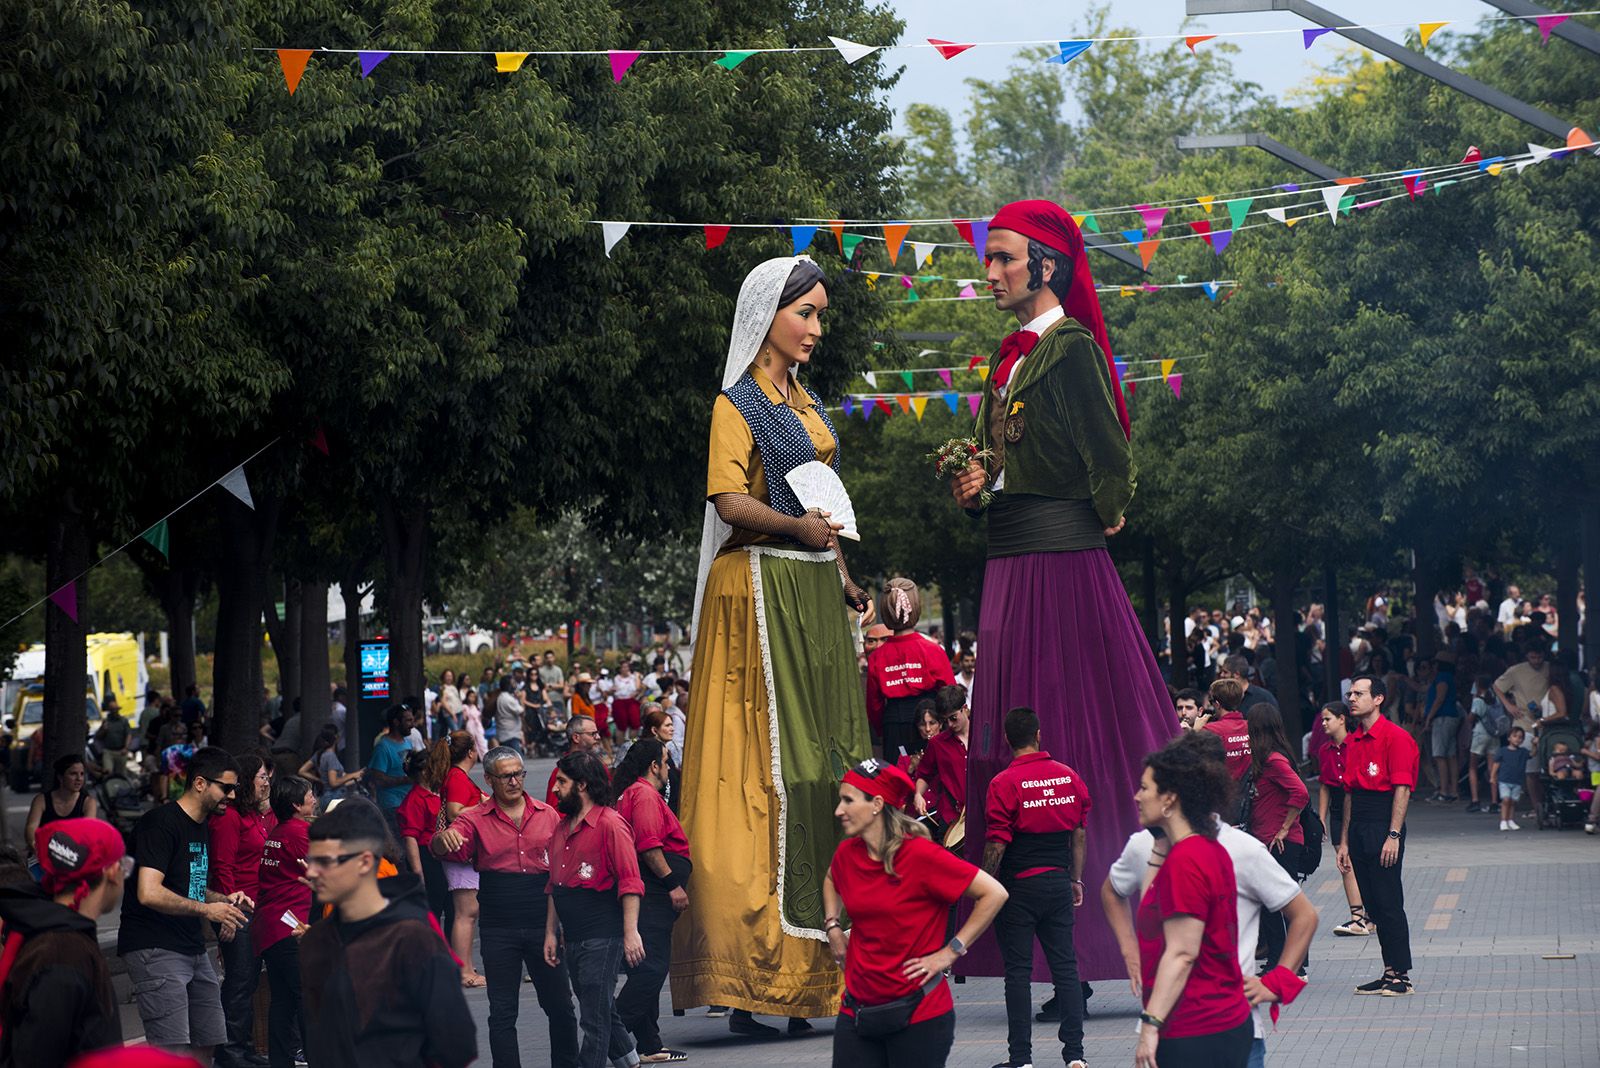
(473, 981)
(1357, 924)
(663, 1055)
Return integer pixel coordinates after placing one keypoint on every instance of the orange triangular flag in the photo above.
(893, 235)
(1198, 39)
(904, 400)
(1576, 138)
(1428, 29)
(1349, 181)
(838, 233)
(1147, 251)
(293, 61)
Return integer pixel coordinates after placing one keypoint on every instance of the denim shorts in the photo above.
(1510, 792)
(179, 998)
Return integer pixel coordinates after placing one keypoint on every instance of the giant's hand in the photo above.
(1122, 522)
(966, 486)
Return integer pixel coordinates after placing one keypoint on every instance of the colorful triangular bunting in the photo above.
(1199, 38)
(1548, 23)
(893, 235)
(1176, 382)
(612, 232)
(801, 237)
(953, 401)
(731, 60)
(948, 49)
(1147, 251)
(1070, 50)
(158, 537)
(919, 405)
(1238, 209)
(66, 599)
(852, 51)
(370, 61)
(293, 61)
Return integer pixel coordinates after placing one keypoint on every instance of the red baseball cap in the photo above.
(75, 851)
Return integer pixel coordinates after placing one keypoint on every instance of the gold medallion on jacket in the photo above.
(1013, 425)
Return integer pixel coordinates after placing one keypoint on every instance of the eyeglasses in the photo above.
(583, 734)
(512, 776)
(324, 863)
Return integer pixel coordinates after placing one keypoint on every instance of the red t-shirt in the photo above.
(596, 854)
(1278, 789)
(894, 920)
(1235, 735)
(1035, 795)
(459, 789)
(905, 665)
(236, 843)
(1381, 758)
(1330, 770)
(654, 825)
(418, 815)
(944, 765)
(281, 888)
(1196, 880)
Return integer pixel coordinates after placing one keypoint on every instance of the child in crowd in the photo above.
(1507, 768)
(1564, 764)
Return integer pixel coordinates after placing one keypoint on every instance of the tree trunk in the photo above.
(284, 634)
(1152, 609)
(572, 624)
(316, 692)
(1567, 596)
(65, 727)
(1286, 651)
(178, 589)
(1424, 589)
(1333, 637)
(1177, 615)
(1591, 578)
(245, 557)
(405, 538)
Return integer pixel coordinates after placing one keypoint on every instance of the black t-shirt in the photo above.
(165, 838)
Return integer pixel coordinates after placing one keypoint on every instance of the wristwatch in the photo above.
(956, 946)
(1394, 834)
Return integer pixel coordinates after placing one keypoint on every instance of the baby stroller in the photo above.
(1560, 806)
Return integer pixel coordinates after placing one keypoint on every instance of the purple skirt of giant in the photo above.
(1056, 634)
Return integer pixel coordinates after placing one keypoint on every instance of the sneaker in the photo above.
(1434, 798)
(1377, 985)
(1588, 828)
(663, 1056)
(1398, 986)
(1505, 825)
(1014, 1064)
(1473, 806)
(1513, 825)
(1049, 1012)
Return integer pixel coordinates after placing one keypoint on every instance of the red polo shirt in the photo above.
(1035, 795)
(905, 665)
(1380, 758)
(654, 825)
(513, 859)
(593, 865)
(1235, 735)
(418, 815)
(1196, 880)
(944, 765)
(1330, 769)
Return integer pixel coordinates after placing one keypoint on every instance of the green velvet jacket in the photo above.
(1066, 440)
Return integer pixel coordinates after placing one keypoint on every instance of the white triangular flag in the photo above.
(927, 352)
(234, 482)
(1281, 214)
(613, 232)
(1540, 154)
(1522, 165)
(852, 51)
(1331, 195)
(871, 377)
(922, 250)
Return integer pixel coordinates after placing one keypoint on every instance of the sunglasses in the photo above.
(339, 860)
(227, 788)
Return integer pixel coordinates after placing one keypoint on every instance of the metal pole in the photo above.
(1265, 144)
(1480, 92)
(1120, 253)
(1574, 32)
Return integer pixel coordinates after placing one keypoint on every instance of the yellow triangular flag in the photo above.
(983, 372)
(1078, 219)
(919, 405)
(872, 280)
(1495, 169)
(1167, 366)
(1205, 202)
(1290, 222)
(1125, 291)
(509, 62)
(1428, 29)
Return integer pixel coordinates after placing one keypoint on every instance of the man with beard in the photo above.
(594, 894)
(1058, 633)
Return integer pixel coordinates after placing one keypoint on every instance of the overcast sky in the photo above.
(1276, 62)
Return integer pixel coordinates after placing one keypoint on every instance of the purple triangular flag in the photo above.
(980, 235)
(973, 400)
(866, 409)
(66, 599)
(1311, 35)
(1220, 239)
(620, 62)
(848, 406)
(370, 61)
(944, 373)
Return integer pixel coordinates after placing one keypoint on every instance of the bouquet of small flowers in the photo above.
(953, 457)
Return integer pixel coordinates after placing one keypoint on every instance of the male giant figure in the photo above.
(1055, 628)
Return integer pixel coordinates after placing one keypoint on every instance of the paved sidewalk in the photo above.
(1486, 909)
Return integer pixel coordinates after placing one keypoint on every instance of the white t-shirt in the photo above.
(626, 686)
(1262, 883)
(1508, 612)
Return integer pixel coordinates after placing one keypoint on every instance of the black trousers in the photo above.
(1382, 891)
(285, 1020)
(437, 889)
(900, 729)
(1225, 1049)
(639, 1000)
(1274, 929)
(922, 1045)
(241, 973)
(1039, 907)
(506, 952)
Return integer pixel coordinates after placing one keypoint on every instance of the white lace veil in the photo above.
(758, 303)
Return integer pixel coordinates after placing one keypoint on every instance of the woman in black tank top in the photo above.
(68, 798)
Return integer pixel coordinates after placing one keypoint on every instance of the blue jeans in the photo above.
(594, 964)
(1258, 1054)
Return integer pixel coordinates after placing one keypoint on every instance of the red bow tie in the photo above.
(1016, 345)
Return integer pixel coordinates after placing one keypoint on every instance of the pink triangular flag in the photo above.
(1548, 23)
(620, 62)
(944, 373)
(1153, 218)
(1175, 380)
(66, 599)
(967, 291)
(715, 235)
(973, 400)
(319, 441)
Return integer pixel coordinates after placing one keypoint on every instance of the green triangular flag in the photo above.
(1238, 209)
(1091, 224)
(905, 376)
(911, 295)
(157, 536)
(731, 60)
(1347, 203)
(849, 243)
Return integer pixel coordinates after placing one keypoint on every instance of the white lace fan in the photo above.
(817, 486)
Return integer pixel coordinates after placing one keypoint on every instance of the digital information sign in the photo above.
(375, 671)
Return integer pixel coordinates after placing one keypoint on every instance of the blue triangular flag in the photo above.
(1133, 236)
(1211, 289)
(953, 400)
(802, 238)
(370, 61)
(1070, 50)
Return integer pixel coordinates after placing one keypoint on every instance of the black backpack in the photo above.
(1311, 827)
